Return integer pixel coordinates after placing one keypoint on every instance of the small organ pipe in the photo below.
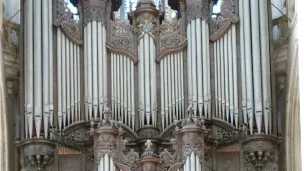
(162, 89)
(141, 82)
(50, 35)
(256, 58)
(215, 78)
(94, 65)
(72, 59)
(100, 70)
(89, 83)
(197, 163)
(86, 73)
(208, 72)
(223, 109)
(182, 78)
(37, 67)
(147, 79)
(63, 69)
(68, 77)
(59, 74)
(166, 85)
(265, 66)
(105, 72)
(106, 161)
(219, 79)
(192, 161)
(132, 96)
(249, 83)
(169, 89)
(226, 64)
(235, 80)
(205, 67)
(101, 164)
(230, 77)
(194, 62)
(243, 62)
(45, 64)
(189, 64)
(199, 65)
(153, 82)
(129, 63)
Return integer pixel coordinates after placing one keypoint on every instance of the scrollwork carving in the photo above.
(122, 35)
(64, 19)
(170, 34)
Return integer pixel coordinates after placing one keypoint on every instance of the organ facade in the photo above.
(148, 91)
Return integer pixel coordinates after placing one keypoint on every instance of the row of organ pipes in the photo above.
(254, 74)
(225, 77)
(68, 76)
(38, 68)
(106, 164)
(122, 83)
(147, 81)
(95, 70)
(198, 64)
(172, 88)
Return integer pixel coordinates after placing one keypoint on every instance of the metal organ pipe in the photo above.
(249, 83)
(105, 72)
(231, 107)
(132, 96)
(29, 68)
(218, 65)
(194, 62)
(208, 72)
(37, 67)
(94, 64)
(141, 82)
(153, 82)
(63, 69)
(243, 62)
(199, 65)
(265, 67)
(89, 83)
(72, 69)
(205, 67)
(235, 79)
(215, 79)
(166, 88)
(256, 58)
(162, 89)
(147, 79)
(45, 57)
(189, 64)
(226, 77)
(59, 74)
(67, 67)
(223, 109)
(86, 73)
(100, 69)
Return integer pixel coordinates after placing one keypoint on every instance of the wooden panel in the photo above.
(228, 162)
(70, 163)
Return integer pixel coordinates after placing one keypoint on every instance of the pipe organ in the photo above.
(148, 91)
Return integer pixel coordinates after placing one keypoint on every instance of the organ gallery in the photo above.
(147, 85)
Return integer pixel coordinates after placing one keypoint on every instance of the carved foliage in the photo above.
(64, 19)
(146, 24)
(36, 162)
(122, 35)
(167, 159)
(170, 34)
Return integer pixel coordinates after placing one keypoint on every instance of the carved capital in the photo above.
(197, 9)
(260, 152)
(96, 10)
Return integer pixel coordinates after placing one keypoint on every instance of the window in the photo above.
(216, 9)
(73, 9)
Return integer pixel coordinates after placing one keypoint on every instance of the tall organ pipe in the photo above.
(215, 78)
(265, 66)
(100, 69)
(249, 83)
(243, 62)
(141, 82)
(223, 109)
(208, 71)
(118, 79)
(29, 67)
(72, 69)
(112, 85)
(219, 79)
(147, 79)
(45, 57)
(86, 73)
(59, 74)
(125, 88)
(199, 65)
(194, 62)
(182, 83)
(226, 77)
(94, 64)
(68, 96)
(115, 62)
(89, 83)
(169, 89)
(189, 64)
(128, 83)
(231, 107)
(162, 89)
(132, 96)
(256, 58)
(235, 80)
(166, 91)
(205, 67)
(105, 72)
(63, 69)
(37, 67)
(172, 83)
(153, 82)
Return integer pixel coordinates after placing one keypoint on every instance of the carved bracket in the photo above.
(222, 23)
(68, 26)
(260, 152)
